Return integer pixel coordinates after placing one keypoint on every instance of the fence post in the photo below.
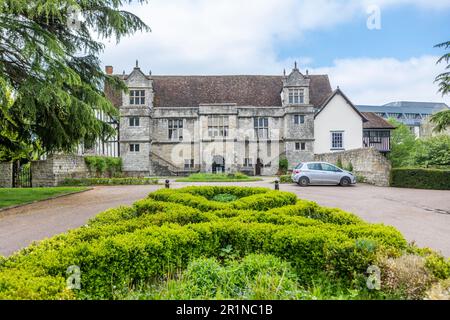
(167, 184)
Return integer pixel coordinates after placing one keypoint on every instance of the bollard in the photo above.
(277, 185)
(167, 184)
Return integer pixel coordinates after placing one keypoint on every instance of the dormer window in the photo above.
(296, 96)
(137, 97)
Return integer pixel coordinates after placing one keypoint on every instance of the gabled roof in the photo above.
(331, 96)
(376, 122)
(243, 90)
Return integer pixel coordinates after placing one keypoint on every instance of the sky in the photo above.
(376, 51)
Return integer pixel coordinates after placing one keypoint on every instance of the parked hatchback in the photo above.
(321, 173)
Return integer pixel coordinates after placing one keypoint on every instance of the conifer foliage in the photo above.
(51, 81)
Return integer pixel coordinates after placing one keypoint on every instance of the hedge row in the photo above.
(161, 234)
(109, 181)
(420, 178)
(248, 198)
(101, 165)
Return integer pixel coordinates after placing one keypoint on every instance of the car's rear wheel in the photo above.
(303, 182)
(345, 182)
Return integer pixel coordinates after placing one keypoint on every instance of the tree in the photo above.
(51, 82)
(434, 151)
(442, 119)
(403, 143)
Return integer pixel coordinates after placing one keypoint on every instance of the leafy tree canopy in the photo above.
(403, 142)
(433, 151)
(442, 119)
(51, 81)
(407, 151)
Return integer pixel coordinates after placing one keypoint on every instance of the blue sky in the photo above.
(397, 62)
(405, 32)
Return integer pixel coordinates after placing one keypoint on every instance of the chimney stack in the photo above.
(109, 70)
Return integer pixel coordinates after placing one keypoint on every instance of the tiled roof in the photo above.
(376, 122)
(191, 91)
(330, 96)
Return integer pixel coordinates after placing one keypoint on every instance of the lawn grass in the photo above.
(220, 177)
(12, 197)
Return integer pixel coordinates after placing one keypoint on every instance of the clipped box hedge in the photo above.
(420, 178)
(161, 234)
(108, 181)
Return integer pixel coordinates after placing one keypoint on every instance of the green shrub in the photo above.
(283, 165)
(108, 181)
(254, 277)
(438, 265)
(349, 167)
(101, 165)
(225, 197)
(312, 210)
(163, 234)
(339, 163)
(420, 178)
(361, 178)
(285, 179)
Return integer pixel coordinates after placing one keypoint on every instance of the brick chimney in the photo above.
(109, 70)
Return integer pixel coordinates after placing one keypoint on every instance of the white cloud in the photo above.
(378, 81)
(239, 37)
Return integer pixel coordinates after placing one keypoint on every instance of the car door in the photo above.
(315, 175)
(332, 174)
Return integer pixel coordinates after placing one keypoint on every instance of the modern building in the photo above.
(413, 114)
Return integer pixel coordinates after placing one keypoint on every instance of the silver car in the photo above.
(321, 173)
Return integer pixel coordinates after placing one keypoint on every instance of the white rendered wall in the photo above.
(338, 115)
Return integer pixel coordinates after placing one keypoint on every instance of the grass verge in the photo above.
(12, 197)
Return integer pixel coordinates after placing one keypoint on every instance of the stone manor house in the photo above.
(176, 125)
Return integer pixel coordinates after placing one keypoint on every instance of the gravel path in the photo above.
(422, 216)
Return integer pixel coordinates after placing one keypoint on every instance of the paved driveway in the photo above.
(421, 215)
(21, 226)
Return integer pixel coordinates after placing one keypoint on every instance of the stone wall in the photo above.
(57, 168)
(369, 163)
(6, 172)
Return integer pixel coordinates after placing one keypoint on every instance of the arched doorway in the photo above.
(259, 167)
(218, 165)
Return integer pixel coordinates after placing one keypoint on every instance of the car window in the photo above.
(314, 166)
(299, 166)
(329, 167)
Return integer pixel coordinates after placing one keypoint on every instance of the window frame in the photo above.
(218, 126)
(133, 149)
(133, 123)
(175, 129)
(300, 146)
(332, 138)
(299, 119)
(311, 166)
(261, 127)
(137, 99)
(296, 96)
(248, 162)
(189, 164)
(334, 168)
